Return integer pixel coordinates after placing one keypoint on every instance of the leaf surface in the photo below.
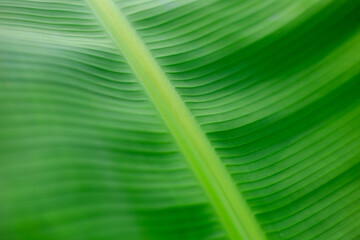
(179, 119)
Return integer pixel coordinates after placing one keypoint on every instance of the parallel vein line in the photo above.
(230, 206)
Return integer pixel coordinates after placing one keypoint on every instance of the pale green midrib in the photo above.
(231, 208)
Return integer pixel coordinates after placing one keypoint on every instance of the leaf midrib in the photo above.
(230, 206)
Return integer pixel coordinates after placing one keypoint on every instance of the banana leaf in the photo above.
(179, 119)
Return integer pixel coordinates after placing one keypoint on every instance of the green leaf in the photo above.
(192, 119)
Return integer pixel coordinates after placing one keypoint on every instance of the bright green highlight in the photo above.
(230, 206)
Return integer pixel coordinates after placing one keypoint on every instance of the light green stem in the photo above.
(231, 208)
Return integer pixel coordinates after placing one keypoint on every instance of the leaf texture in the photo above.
(271, 87)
